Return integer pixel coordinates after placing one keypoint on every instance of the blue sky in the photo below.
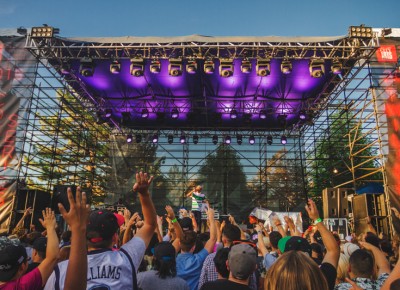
(207, 17)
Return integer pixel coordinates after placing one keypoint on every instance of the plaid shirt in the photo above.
(209, 273)
(365, 283)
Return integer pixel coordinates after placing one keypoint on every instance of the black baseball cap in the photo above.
(11, 257)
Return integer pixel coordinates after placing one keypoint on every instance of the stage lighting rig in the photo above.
(283, 140)
(239, 139)
(86, 68)
(191, 67)
(215, 139)
(195, 139)
(126, 117)
(129, 138)
(269, 139)
(65, 68)
(209, 67)
(137, 67)
(226, 68)
(115, 67)
(246, 66)
(263, 67)
(182, 139)
(263, 114)
(302, 115)
(145, 113)
(170, 139)
(155, 138)
(228, 139)
(317, 68)
(175, 67)
(336, 67)
(252, 140)
(44, 32)
(233, 114)
(360, 32)
(174, 113)
(286, 67)
(155, 66)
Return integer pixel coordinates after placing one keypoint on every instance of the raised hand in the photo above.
(312, 210)
(127, 215)
(170, 212)
(142, 183)
(49, 219)
(78, 209)
(28, 212)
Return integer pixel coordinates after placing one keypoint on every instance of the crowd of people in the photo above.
(106, 250)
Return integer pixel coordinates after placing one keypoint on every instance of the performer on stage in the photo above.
(199, 203)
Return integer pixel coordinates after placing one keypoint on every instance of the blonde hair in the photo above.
(294, 270)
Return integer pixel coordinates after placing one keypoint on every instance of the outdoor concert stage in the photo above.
(259, 121)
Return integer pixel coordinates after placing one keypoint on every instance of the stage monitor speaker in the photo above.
(372, 206)
(60, 196)
(335, 202)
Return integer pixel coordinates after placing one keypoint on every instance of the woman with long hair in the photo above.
(295, 270)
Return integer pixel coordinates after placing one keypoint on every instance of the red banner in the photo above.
(386, 53)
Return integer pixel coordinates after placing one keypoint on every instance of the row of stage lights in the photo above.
(226, 67)
(183, 139)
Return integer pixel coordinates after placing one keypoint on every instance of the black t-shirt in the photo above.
(330, 274)
(224, 284)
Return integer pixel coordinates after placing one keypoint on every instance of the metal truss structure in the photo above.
(76, 148)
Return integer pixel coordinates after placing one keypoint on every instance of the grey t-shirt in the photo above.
(149, 280)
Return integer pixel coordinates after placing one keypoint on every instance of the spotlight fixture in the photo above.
(360, 31)
(263, 114)
(170, 139)
(252, 139)
(336, 67)
(263, 67)
(233, 114)
(228, 139)
(239, 139)
(191, 67)
(286, 67)
(86, 68)
(115, 67)
(317, 68)
(335, 171)
(174, 113)
(269, 140)
(129, 138)
(175, 67)
(145, 113)
(302, 115)
(246, 66)
(226, 68)
(283, 139)
(155, 66)
(209, 67)
(65, 68)
(195, 139)
(137, 67)
(43, 32)
(215, 139)
(107, 113)
(182, 139)
(155, 138)
(138, 138)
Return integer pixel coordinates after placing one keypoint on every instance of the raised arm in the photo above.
(209, 246)
(149, 212)
(76, 218)
(20, 223)
(260, 242)
(177, 227)
(332, 249)
(47, 266)
(380, 260)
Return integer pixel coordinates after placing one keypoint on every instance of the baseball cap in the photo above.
(242, 261)
(282, 243)
(349, 248)
(103, 222)
(164, 251)
(40, 244)
(298, 244)
(11, 257)
(186, 224)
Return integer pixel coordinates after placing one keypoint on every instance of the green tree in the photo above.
(225, 181)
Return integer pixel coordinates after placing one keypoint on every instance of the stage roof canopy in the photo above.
(203, 83)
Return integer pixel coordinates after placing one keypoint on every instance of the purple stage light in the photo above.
(108, 113)
(209, 67)
(228, 139)
(129, 138)
(283, 139)
(174, 113)
(252, 139)
(263, 114)
(286, 67)
(183, 139)
(145, 113)
(191, 67)
(302, 115)
(155, 138)
(233, 114)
